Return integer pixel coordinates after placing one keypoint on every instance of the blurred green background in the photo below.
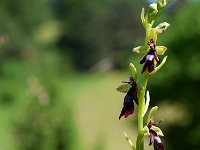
(61, 60)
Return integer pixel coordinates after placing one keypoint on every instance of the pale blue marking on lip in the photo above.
(149, 57)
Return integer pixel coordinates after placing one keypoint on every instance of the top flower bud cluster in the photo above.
(150, 48)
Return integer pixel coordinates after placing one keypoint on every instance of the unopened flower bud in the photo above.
(161, 4)
(152, 12)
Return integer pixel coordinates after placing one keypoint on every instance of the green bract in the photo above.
(143, 18)
(133, 71)
(160, 50)
(158, 68)
(123, 88)
(151, 113)
(129, 141)
(146, 103)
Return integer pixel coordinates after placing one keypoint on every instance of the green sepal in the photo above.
(147, 24)
(157, 130)
(146, 131)
(162, 27)
(160, 66)
(141, 49)
(133, 71)
(123, 88)
(129, 141)
(160, 50)
(151, 113)
(151, 34)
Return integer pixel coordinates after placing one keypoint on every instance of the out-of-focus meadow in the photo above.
(61, 60)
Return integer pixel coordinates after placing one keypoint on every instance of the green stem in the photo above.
(141, 107)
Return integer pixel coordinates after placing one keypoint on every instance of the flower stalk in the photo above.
(141, 107)
(135, 89)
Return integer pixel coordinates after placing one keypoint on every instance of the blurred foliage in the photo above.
(43, 44)
(97, 29)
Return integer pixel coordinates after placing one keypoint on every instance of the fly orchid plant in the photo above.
(135, 88)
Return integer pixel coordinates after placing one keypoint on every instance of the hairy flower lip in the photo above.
(148, 61)
(154, 133)
(129, 99)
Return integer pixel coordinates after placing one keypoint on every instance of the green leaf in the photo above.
(124, 88)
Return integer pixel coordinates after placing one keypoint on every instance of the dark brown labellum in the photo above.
(131, 96)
